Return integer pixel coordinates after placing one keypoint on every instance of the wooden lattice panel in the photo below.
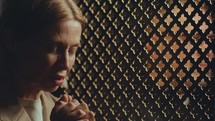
(148, 60)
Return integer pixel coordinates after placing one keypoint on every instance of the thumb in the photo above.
(64, 98)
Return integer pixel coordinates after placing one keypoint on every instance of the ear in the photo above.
(8, 41)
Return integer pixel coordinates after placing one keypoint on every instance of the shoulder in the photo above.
(11, 112)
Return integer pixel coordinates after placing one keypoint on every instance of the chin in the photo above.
(52, 89)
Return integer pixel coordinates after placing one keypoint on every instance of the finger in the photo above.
(83, 120)
(76, 115)
(64, 98)
(83, 106)
(70, 98)
(86, 107)
(76, 102)
(90, 115)
(69, 107)
(61, 102)
(59, 105)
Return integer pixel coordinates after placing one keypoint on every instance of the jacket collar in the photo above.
(47, 104)
(17, 112)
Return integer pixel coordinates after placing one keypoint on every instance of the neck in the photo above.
(24, 88)
(29, 96)
(26, 91)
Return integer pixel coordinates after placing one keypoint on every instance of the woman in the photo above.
(39, 39)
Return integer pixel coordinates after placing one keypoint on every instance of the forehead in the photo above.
(68, 32)
(70, 29)
(69, 26)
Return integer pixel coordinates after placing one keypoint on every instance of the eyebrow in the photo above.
(61, 43)
(76, 45)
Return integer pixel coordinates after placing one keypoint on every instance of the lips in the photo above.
(57, 79)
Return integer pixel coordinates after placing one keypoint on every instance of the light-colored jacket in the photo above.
(18, 113)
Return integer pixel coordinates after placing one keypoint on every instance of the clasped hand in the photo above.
(69, 109)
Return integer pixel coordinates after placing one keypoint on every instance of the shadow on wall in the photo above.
(1, 7)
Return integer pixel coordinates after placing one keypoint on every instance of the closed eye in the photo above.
(52, 49)
(72, 50)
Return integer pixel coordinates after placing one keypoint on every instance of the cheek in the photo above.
(48, 61)
(41, 64)
(45, 66)
(35, 67)
(71, 61)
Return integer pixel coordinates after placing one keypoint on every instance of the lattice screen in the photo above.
(148, 60)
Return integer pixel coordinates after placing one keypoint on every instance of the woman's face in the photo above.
(44, 61)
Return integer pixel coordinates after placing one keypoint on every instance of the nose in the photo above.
(64, 61)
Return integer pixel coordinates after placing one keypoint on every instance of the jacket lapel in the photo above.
(15, 113)
(48, 102)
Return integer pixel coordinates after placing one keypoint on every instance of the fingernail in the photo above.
(93, 113)
(82, 112)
